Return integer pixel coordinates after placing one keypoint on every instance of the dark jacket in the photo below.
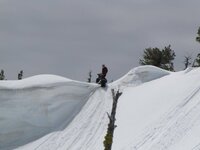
(104, 71)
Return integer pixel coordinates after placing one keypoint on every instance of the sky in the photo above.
(72, 37)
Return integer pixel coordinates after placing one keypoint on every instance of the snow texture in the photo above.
(158, 110)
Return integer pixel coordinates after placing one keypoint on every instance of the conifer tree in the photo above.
(2, 76)
(198, 36)
(160, 58)
(197, 60)
(20, 75)
(90, 76)
(187, 61)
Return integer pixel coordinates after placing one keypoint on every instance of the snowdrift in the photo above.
(158, 110)
(139, 75)
(36, 106)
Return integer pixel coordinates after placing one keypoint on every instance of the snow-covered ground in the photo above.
(163, 114)
(158, 110)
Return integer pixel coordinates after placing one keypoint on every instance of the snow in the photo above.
(139, 75)
(161, 114)
(158, 110)
(35, 81)
(34, 107)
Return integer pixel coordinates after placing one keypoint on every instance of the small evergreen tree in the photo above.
(152, 56)
(187, 61)
(90, 77)
(168, 56)
(2, 76)
(198, 36)
(160, 58)
(197, 61)
(20, 75)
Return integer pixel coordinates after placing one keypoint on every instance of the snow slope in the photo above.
(86, 131)
(163, 114)
(158, 110)
(36, 106)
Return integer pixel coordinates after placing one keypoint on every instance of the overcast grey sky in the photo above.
(71, 37)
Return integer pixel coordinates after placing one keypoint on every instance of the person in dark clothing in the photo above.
(101, 76)
(98, 78)
(103, 82)
(104, 70)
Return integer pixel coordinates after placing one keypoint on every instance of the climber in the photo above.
(104, 70)
(101, 76)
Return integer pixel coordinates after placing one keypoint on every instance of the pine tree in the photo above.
(197, 61)
(152, 56)
(160, 58)
(2, 76)
(20, 75)
(90, 76)
(187, 61)
(198, 37)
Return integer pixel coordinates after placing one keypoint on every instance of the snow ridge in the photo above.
(176, 127)
(158, 110)
(139, 75)
(30, 112)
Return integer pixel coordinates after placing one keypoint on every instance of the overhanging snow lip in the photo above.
(140, 75)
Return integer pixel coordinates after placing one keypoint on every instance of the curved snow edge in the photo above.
(140, 75)
(44, 80)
